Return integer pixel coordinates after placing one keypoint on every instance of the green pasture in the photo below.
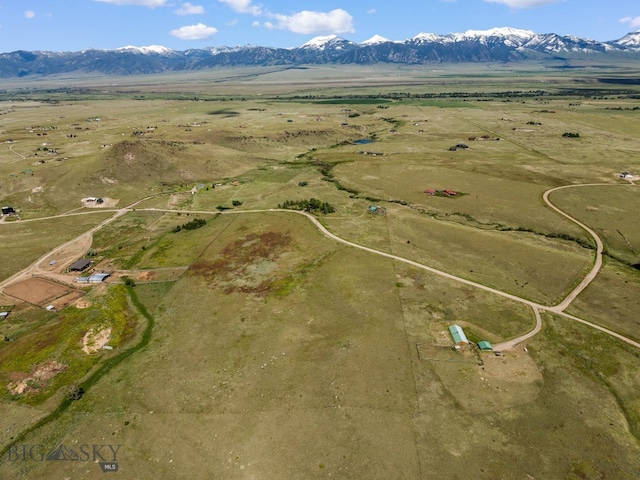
(603, 365)
(22, 319)
(60, 340)
(524, 264)
(486, 201)
(147, 240)
(610, 300)
(610, 210)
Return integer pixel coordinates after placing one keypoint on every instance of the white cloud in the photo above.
(523, 3)
(29, 14)
(371, 11)
(190, 9)
(194, 32)
(307, 22)
(142, 3)
(256, 23)
(631, 21)
(243, 6)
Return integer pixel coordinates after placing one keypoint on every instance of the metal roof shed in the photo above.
(457, 334)
(485, 346)
(80, 265)
(98, 277)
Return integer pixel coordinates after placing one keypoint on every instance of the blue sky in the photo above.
(72, 25)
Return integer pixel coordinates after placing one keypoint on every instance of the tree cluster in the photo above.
(312, 205)
(192, 225)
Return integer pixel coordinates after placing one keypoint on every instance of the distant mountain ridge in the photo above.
(504, 44)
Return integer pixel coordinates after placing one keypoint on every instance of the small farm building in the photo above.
(485, 346)
(8, 210)
(377, 210)
(98, 277)
(80, 265)
(457, 334)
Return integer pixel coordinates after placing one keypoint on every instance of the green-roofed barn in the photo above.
(485, 346)
(457, 334)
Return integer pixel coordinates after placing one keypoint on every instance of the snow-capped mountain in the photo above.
(553, 43)
(503, 44)
(328, 42)
(629, 41)
(375, 40)
(508, 35)
(426, 38)
(149, 50)
(501, 32)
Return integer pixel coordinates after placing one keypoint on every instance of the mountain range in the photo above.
(495, 45)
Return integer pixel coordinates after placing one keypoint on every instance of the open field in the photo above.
(610, 211)
(611, 298)
(243, 341)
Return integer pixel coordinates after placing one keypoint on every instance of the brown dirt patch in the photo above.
(66, 300)
(94, 340)
(39, 291)
(146, 276)
(58, 261)
(82, 304)
(38, 379)
(248, 265)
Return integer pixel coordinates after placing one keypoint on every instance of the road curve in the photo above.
(597, 264)
(13, 151)
(509, 344)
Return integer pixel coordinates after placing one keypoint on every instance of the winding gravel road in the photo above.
(82, 240)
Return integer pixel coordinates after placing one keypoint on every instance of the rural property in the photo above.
(261, 273)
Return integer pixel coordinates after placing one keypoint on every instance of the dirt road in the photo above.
(80, 244)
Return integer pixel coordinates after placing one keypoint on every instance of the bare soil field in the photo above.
(39, 291)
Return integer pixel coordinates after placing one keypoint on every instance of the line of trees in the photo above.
(312, 205)
(192, 225)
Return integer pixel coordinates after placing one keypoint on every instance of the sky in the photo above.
(74, 25)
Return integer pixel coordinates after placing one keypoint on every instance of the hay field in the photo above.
(249, 345)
